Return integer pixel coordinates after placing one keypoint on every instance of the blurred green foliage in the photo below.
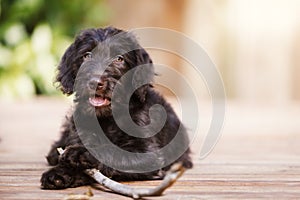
(33, 36)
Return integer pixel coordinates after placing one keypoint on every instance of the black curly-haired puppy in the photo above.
(102, 57)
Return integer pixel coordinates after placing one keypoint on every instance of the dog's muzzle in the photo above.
(97, 88)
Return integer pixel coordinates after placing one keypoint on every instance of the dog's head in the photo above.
(96, 60)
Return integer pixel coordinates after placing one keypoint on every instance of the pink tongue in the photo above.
(98, 101)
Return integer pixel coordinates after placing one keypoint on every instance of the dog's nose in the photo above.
(95, 83)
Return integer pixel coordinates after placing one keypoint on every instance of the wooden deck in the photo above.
(242, 166)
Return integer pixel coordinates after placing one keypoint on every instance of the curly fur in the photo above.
(68, 170)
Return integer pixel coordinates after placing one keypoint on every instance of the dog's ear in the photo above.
(67, 71)
(141, 74)
(73, 58)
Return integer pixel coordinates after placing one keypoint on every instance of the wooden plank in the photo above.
(242, 166)
(212, 181)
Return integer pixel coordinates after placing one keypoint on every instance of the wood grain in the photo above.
(241, 167)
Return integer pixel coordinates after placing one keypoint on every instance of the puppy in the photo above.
(93, 135)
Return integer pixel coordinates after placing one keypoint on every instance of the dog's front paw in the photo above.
(56, 178)
(78, 157)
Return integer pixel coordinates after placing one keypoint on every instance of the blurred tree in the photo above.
(33, 36)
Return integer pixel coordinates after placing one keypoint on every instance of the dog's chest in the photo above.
(125, 141)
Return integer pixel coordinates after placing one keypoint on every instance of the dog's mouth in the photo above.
(98, 95)
(98, 101)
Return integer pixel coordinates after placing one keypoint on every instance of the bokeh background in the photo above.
(254, 43)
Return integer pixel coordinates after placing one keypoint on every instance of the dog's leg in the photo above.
(61, 177)
(53, 155)
(70, 169)
(67, 135)
(78, 157)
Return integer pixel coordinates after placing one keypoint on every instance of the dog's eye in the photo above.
(87, 55)
(118, 59)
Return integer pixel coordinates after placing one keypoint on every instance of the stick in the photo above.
(172, 175)
(175, 172)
